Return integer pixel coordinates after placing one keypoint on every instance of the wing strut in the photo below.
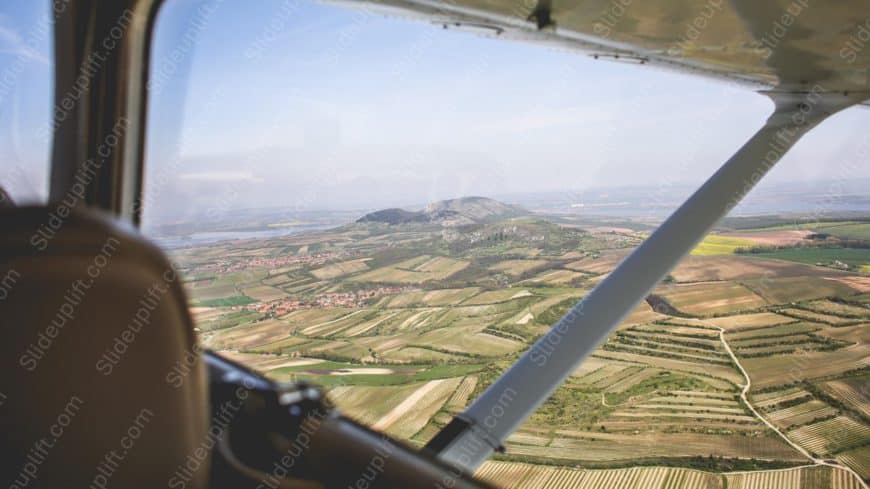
(468, 440)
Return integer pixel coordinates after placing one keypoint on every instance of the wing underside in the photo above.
(783, 45)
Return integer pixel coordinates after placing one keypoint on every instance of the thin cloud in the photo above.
(13, 44)
(221, 176)
(550, 118)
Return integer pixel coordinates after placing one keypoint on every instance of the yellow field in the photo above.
(713, 245)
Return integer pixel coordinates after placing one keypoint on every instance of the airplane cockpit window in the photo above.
(396, 209)
(26, 112)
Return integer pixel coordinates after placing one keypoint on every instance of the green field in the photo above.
(850, 230)
(854, 257)
(237, 300)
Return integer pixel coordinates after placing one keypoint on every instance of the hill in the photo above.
(453, 212)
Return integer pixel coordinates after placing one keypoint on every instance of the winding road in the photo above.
(743, 396)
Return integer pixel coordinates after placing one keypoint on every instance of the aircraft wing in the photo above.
(786, 45)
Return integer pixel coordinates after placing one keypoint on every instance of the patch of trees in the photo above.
(555, 312)
(710, 463)
(797, 222)
(826, 243)
(654, 352)
(666, 339)
(662, 306)
(789, 403)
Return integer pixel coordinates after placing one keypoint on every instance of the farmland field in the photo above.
(403, 326)
(854, 392)
(857, 459)
(854, 230)
(792, 367)
(517, 267)
(338, 269)
(813, 316)
(415, 270)
(509, 475)
(747, 321)
(832, 435)
(520, 476)
(711, 298)
(793, 289)
(715, 244)
(780, 237)
(696, 268)
(855, 258)
(839, 309)
(802, 478)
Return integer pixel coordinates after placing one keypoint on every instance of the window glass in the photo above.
(26, 84)
(395, 210)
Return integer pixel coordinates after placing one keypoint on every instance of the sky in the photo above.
(25, 97)
(311, 106)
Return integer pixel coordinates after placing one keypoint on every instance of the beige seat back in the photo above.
(101, 384)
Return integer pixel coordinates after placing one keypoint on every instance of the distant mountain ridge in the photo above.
(452, 212)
